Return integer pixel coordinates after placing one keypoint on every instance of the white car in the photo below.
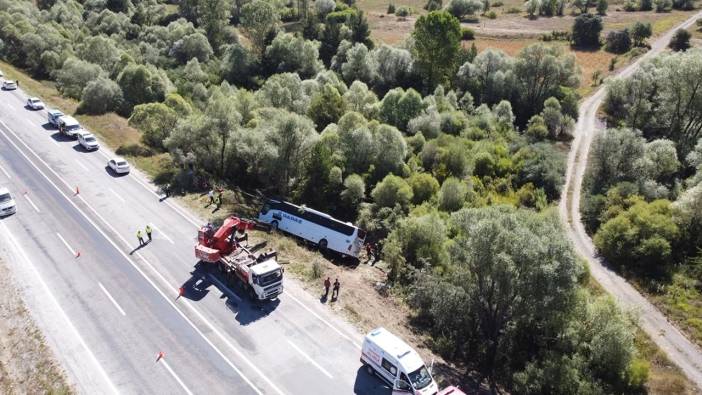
(35, 104)
(9, 85)
(88, 141)
(7, 203)
(118, 165)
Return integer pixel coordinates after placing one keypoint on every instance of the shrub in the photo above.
(602, 6)
(100, 96)
(497, 4)
(134, 150)
(433, 5)
(586, 30)
(317, 270)
(663, 5)
(618, 41)
(680, 40)
(491, 15)
(513, 10)
(631, 6)
(467, 33)
(645, 5)
(403, 11)
(461, 8)
(391, 8)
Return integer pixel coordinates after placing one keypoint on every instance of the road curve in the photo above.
(679, 349)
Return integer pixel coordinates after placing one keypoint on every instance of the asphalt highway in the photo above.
(109, 308)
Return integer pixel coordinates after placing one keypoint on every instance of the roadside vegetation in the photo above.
(27, 365)
(644, 188)
(450, 158)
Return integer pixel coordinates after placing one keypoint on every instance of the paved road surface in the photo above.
(678, 348)
(110, 311)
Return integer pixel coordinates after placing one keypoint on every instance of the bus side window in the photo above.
(278, 216)
(265, 208)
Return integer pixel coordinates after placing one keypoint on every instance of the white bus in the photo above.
(322, 229)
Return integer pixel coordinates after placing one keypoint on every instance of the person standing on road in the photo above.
(148, 232)
(140, 237)
(327, 284)
(335, 292)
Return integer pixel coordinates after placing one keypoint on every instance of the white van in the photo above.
(388, 357)
(69, 126)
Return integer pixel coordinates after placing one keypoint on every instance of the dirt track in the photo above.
(678, 348)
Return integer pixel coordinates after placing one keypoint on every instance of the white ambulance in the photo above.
(394, 361)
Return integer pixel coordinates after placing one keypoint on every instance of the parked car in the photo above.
(118, 165)
(7, 203)
(9, 85)
(88, 141)
(54, 117)
(35, 104)
(69, 126)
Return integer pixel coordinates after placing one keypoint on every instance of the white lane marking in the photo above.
(323, 320)
(114, 302)
(138, 269)
(9, 177)
(32, 203)
(117, 195)
(66, 244)
(52, 299)
(81, 165)
(309, 359)
(134, 265)
(161, 233)
(175, 376)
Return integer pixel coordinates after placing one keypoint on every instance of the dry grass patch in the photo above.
(27, 365)
(663, 376)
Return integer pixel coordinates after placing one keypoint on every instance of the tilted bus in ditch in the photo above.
(317, 227)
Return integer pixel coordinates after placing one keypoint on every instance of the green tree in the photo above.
(602, 6)
(326, 106)
(618, 41)
(399, 106)
(142, 84)
(640, 32)
(424, 187)
(155, 121)
(213, 16)
(452, 195)
(258, 19)
(437, 38)
(75, 75)
(641, 238)
(288, 53)
(391, 191)
(101, 95)
(680, 40)
(354, 191)
(586, 31)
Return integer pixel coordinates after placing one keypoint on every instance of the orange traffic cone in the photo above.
(181, 292)
(160, 356)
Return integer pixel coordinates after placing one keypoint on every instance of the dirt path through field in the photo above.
(679, 349)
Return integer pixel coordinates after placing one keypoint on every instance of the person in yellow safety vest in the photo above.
(140, 237)
(148, 232)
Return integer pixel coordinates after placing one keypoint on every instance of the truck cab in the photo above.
(53, 116)
(267, 279)
(395, 362)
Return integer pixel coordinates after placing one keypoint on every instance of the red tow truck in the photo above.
(227, 247)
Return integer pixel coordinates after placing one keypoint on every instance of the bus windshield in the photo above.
(420, 378)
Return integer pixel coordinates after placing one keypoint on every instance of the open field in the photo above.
(27, 365)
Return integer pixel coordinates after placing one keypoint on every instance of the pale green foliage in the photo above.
(424, 187)
(323, 7)
(503, 113)
(461, 8)
(289, 53)
(101, 95)
(557, 123)
(155, 121)
(390, 66)
(284, 91)
(357, 66)
(354, 190)
(659, 160)
(259, 18)
(326, 106)
(392, 149)
(489, 78)
(399, 106)
(421, 240)
(361, 99)
(192, 46)
(75, 75)
(391, 191)
(143, 84)
(99, 50)
(452, 195)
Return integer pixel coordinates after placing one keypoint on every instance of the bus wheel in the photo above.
(274, 226)
(322, 244)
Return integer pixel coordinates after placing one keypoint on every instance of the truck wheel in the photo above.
(274, 226)
(370, 370)
(252, 295)
(322, 245)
